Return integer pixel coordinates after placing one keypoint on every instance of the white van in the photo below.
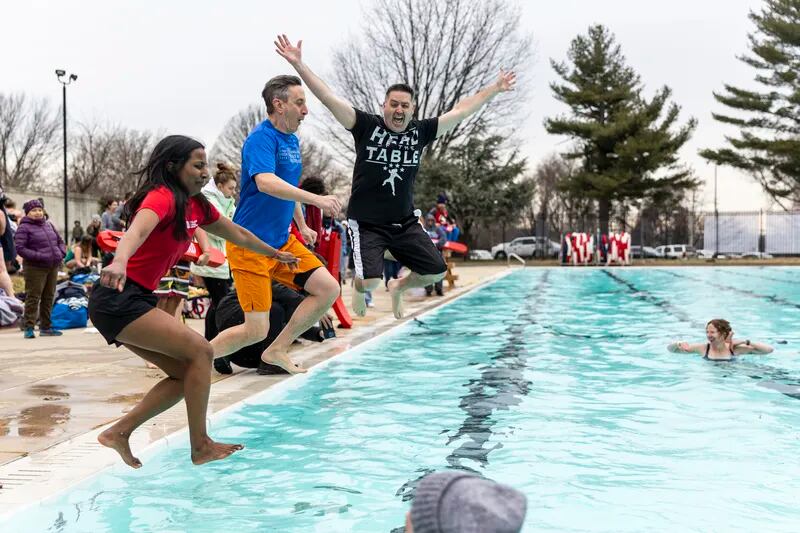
(676, 251)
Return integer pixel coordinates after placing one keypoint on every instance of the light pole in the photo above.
(72, 77)
(716, 215)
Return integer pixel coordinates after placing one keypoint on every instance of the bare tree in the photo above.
(446, 50)
(105, 157)
(317, 161)
(27, 139)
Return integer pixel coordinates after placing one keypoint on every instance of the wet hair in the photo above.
(161, 170)
(224, 173)
(278, 87)
(314, 185)
(402, 87)
(721, 325)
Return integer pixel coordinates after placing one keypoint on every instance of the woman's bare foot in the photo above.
(397, 298)
(213, 451)
(359, 303)
(282, 360)
(118, 441)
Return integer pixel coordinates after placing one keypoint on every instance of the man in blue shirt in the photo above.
(269, 200)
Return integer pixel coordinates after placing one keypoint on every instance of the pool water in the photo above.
(555, 381)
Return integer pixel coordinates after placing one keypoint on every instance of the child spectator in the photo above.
(42, 250)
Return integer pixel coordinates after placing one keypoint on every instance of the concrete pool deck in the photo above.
(57, 392)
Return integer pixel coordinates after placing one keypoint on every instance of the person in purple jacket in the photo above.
(42, 249)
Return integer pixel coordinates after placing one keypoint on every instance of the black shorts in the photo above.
(111, 310)
(407, 241)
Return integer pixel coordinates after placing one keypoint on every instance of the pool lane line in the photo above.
(768, 278)
(772, 373)
(744, 292)
(668, 307)
(505, 378)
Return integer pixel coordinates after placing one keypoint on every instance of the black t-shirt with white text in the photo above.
(386, 167)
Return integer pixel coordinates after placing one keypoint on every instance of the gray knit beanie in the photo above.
(457, 502)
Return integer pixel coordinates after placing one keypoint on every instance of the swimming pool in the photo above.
(555, 381)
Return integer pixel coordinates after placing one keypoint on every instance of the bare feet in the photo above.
(359, 303)
(397, 298)
(118, 441)
(282, 360)
(213, 451)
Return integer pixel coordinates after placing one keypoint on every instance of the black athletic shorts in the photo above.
(408, 242)
(111, 310)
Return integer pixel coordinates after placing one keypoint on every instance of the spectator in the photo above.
(42, 251)
(80, 255)
(443, 218)
(77, 231)
(92, 229)
(391, 268)
(220, 193)
(13, 213)
(312, 213)
(8, 251)
(439, 238)
(108, 214)
(118, 218)
(284, 303)
(458, 502)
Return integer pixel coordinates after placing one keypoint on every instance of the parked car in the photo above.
(709, 254)
(676, 251)
(526, 247)
(479, 255)
(646, 252)
(756, 255)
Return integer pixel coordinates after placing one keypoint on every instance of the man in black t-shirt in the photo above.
(381, 213)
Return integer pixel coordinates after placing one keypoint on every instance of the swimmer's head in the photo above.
(398, 107)
(286, 102)
(718, 329)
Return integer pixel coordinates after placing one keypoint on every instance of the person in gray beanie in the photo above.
(458, 502)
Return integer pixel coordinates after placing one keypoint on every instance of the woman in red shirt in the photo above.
(165, 213)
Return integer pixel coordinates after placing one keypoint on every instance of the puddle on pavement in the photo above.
(38, 421)
(49, 392)
(127, 398)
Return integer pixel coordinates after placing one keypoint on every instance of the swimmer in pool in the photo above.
(721, 345)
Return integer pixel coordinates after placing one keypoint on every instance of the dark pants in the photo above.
(40, 293)
(438, 286)
(217, 289)
(391, 269)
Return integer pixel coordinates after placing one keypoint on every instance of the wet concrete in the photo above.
(55, 388)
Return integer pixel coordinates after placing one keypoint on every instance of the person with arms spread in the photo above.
(388, 154)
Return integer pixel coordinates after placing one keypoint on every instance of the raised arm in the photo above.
(746, 346)
(685, 347)
(342, 110)
(467, 106)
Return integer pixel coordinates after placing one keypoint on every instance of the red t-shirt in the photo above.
(160, 250)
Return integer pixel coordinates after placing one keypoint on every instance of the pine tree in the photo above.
(624, 143)
(768, 146)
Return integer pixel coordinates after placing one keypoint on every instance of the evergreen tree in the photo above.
(484, 185)
(624, 143)
(768, 146)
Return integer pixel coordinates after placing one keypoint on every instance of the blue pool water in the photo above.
(555, 381)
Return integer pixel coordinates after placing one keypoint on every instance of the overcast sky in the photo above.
(182, 66)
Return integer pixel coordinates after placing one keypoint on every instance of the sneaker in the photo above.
(29, 334)
(223, 366)
(50, 332)
(266, 369)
